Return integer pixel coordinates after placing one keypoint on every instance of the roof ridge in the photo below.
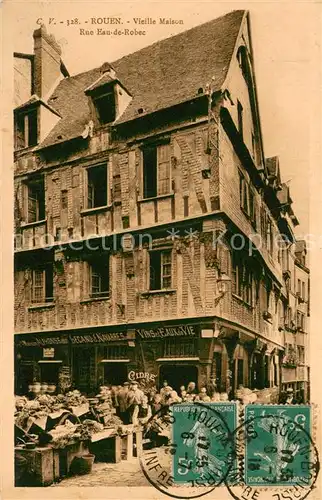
(158, 42)
(182, 33)
(158, 76)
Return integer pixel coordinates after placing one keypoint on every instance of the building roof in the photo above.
(158, 76)
(300, 246)
(33, 100)
(100, 82)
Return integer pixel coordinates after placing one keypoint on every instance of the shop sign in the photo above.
(171, 331)
(149, 377)
(49, 352)
(43, 341)
(97, 337)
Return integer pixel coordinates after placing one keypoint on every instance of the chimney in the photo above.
(47, 61)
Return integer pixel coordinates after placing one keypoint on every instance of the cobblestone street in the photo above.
(125, 473)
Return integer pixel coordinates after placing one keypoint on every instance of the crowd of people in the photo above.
(134, 404)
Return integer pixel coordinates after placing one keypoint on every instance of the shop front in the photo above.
(171, 352)
(41, 359)
(101, 359)
(183, 353)
(252, 362)
(74, 361)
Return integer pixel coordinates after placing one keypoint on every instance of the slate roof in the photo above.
(158, 76)
(102, 80)
(300, 246)
(35, 99)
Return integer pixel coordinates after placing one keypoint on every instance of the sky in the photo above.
(284, 39)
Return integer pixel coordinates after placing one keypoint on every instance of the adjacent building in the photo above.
(151, 232)
(295, 367)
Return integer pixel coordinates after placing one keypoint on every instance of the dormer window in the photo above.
(105, 107)
(108, 98)
(26, 129)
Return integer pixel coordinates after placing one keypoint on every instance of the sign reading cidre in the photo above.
(170, 331)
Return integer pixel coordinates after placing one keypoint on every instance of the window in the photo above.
(240, 372)
(299, 288)
(289, 317)
(99, 277)
(156, 170)
(267, 230)
(116, 352)
(97, 186)
(160, 269)
(105, 107)
(27, 129)
(242, 280)
(64, 199)
(247, 199)
(36, 200)
(269, 235)
(280, 315)
(303, 290)
(179, 348)
(252, 213)
(240, 118)
(300, 321)
(243, 189)
(301, 354)
(42, 285)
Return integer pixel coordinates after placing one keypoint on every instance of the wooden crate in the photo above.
(127, 446)
(106, 447)
(137, 443)
(39, 470)
(62, 458)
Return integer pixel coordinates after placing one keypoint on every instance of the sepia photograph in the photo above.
(162, 173)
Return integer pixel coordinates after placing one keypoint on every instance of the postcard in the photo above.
(160, 197)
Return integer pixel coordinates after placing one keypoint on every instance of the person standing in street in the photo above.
(122, 402)
(134, 399)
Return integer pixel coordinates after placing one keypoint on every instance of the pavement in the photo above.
(125, 473)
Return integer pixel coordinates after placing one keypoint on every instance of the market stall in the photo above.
(58, 435)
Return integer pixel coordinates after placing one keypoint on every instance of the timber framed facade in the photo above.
(148, 227)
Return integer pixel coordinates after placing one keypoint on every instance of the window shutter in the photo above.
(49, 282)
(149, 172)
(155, 270)
(163, 158)
(116, 183)
(24, 202)
(86, 279)
(105, 275)
(85, 188)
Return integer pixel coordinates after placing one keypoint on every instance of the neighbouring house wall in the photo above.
(22, 79)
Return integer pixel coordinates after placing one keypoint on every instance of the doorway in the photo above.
(257, 379)
(115, 373)
(49, 372)
(178, 375)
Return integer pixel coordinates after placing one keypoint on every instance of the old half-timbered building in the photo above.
(147, 217)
